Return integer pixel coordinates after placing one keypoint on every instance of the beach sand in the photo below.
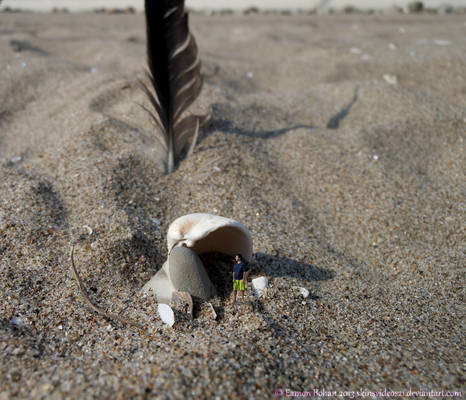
(338, 141)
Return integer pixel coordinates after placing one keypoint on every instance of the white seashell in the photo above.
(205, 233)
(304, 292)
(166, 314)
(160, 285)
(391, 79)
(201, 233)
(260, 283)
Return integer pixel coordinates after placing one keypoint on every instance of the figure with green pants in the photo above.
(240, 277)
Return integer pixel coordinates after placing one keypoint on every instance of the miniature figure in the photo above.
(240, 277)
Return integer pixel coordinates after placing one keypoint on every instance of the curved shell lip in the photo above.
(193, 230)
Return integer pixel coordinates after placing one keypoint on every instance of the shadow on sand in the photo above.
(334, 122)
(273, 267)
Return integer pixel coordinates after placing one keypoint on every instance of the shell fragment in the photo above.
(304, 292)
(166, 314)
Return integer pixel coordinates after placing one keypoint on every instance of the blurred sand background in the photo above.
(337, 140)
(80, 5)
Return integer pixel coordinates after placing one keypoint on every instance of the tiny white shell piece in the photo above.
(166, 314)
(260, 283)
(213, 314)
(304, 292)
(205, 233)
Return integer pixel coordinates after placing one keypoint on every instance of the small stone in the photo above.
(155, 221)
(251, 10)
(213, 314)
(18, 322)
(355, 50)
(304, 292)
(186, 299)
(439, 42)
(415, 7)
(391, 79)
(15, 376)
(350, 10)
(445, 9)
(18, 351)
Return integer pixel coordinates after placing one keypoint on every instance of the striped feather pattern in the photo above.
(174, 75)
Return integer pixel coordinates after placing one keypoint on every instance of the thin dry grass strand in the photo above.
(89, 302)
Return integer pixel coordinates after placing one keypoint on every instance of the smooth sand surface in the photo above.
(337, 140)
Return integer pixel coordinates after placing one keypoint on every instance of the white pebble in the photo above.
(376, 157)
(260, 283)
(16, 159)
(355, 50)
(250, 75)
(391, 79)
(166, 314)
(304, 292)
(439, 42)
(94, 70)
(155, 221)
(392, 46)
(17, 321)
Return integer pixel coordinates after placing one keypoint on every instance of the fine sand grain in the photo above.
(337, 140)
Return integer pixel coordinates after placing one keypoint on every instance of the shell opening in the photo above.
(228, 240)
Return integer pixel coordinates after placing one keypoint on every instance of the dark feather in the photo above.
(174, 74)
